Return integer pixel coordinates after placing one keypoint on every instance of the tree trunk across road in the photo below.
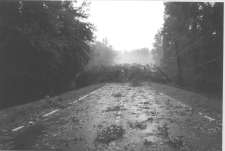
(121, 117)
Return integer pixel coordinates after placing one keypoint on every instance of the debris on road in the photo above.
(140, 120)
(115, 108)
(111, 133)
(117, 94)
(139, 125)
(207, 117)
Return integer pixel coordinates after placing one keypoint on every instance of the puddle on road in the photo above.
(114, 108)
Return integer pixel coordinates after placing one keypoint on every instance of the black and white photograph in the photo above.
(111, 75)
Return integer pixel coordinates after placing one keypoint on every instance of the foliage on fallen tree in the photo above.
(119, 73)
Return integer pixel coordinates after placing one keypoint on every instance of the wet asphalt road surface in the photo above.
(123, 118)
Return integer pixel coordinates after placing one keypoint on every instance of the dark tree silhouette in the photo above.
(157, 51)
(43, 45)
(193, 44)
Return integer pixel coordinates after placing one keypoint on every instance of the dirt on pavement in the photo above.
(121, 117)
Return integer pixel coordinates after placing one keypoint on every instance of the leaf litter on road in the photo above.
(111, 133)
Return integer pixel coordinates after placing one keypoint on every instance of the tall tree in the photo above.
(157, 51)
(43, 45)
(192, 42)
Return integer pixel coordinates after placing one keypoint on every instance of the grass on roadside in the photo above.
(13, 116)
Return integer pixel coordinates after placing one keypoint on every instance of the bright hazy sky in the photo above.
(127, 24)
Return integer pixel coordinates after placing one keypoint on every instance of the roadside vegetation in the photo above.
(44, 44)
(33, 111)
(189, 47)
(48, 47)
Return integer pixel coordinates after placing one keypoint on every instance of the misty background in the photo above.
(48, 46)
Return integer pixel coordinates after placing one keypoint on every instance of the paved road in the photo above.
(121, 117)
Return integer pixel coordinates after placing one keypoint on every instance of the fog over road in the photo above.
(123, 117)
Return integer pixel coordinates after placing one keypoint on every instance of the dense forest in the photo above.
(44, 44)
(189, 47)
(63, 88)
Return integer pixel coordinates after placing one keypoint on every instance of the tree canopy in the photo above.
(193, 43)
(44, 44)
